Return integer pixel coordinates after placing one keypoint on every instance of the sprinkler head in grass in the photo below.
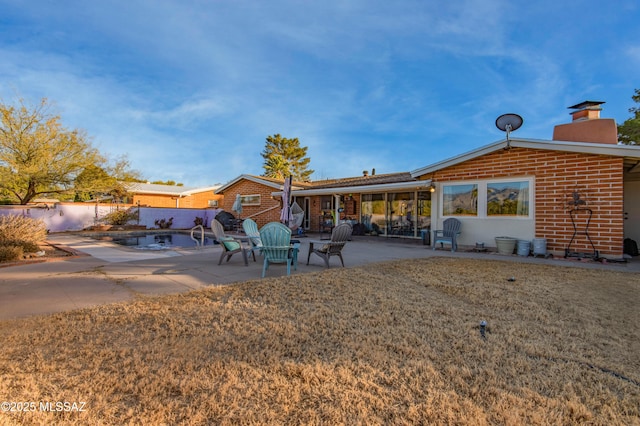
(483, 329)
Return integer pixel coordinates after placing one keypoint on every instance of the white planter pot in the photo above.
(506, 245)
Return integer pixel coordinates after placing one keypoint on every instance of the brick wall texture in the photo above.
(597, 178)
(268, 210)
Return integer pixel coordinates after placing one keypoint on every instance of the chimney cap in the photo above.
(587, 105)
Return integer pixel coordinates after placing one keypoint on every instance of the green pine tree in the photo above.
(285, 157)
(629, 131)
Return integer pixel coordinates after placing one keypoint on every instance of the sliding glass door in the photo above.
(372, 209)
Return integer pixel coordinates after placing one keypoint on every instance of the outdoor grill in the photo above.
(227, 220)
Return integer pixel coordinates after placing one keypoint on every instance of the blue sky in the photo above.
(189, 90)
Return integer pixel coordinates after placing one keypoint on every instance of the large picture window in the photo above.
(460, 200)
(250, 200)
(496, 198)
(508, 198)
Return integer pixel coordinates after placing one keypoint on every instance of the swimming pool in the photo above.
(161, 241)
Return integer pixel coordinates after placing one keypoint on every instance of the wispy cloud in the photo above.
(191, 90)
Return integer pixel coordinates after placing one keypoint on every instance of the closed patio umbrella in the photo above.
(285, 214)
(237, 205)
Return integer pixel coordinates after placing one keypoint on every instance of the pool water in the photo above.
(164, 241)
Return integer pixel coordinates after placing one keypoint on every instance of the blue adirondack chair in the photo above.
(448, 235)
(276, 246)
(250, 228)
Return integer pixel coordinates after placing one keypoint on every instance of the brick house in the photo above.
(383, 202)
(173, 196)
(516, 187)
(256, 194)
(581, 180)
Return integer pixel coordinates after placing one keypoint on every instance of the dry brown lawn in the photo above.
(391, 343)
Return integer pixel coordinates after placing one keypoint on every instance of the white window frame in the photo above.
(460, 183)
(250, 200)
(498, 216)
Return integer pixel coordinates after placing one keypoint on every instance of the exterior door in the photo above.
(306, 224)
(401, 214)
(632, 210)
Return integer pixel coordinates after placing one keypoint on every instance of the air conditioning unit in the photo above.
(213, 203)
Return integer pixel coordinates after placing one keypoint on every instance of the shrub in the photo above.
(121, 217)
(26, 246)
(15, 228)
(10, 253)
(163, 223)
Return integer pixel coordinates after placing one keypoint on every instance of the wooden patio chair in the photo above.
(230, 245)
(339, 237)
(447, 235)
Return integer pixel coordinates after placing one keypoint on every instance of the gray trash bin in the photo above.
(425, 234)
(524, 247)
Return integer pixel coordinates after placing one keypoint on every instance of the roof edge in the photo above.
(549, 145)
(251, 178)
(360, 189)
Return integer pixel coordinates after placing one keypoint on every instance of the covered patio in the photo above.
(390, 209)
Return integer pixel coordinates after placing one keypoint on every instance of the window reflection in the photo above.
(424, 211)
(460, 200)
(508, 198)
(396, 213)
(373, 213)
(400, 214)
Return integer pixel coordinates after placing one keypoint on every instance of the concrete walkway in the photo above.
(113, 274)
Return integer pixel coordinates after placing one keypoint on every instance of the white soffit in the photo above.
(420, 185)
(628, 151)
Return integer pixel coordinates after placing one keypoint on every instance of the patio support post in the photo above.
(336, 206)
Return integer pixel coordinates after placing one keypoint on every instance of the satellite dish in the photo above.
(509, 123)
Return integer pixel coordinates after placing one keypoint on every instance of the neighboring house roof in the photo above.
(630, 153)
(45, 200)
(173, 190)
(267, 181)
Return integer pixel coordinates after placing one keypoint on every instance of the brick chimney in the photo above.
(587, 126)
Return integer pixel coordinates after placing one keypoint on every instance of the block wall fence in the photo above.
(63, 217)
(557, 174)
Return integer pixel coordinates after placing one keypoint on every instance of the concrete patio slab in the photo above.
(115, 274)
(46, 296)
